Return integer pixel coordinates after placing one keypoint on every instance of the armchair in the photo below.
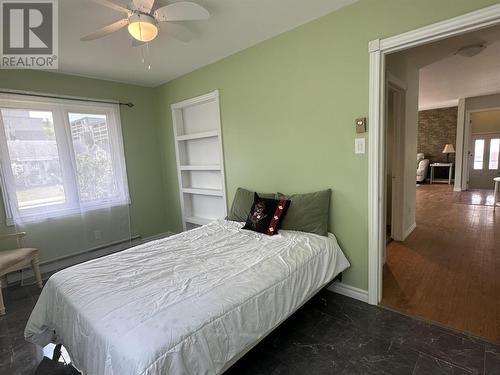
(16, 259)
(422, 167)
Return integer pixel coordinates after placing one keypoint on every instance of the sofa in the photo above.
(422, 167)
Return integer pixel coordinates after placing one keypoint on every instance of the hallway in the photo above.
(448, 269)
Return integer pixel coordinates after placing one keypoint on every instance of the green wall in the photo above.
(288, 107)
(148, 210)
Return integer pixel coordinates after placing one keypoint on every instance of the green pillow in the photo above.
(242, 204)
(308, 212)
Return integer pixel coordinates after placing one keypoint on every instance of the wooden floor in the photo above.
(448, 269)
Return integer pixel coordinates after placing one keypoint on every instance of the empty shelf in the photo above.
(215, 192)
(198, 220)
(213, 167)
(187, 137)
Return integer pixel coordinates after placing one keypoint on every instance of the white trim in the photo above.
(467, 143)
(376, 176)
(460, 182)
(378, 49)
(472, 21)
(409, 230)
(349, 291)
(197, 100)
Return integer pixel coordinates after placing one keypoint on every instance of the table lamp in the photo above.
(448, 149)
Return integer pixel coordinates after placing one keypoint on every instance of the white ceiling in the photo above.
(233, 26)
(450, 77)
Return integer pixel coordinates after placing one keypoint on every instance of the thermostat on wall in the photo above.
(361, 125)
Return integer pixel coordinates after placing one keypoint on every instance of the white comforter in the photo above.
(186, 304)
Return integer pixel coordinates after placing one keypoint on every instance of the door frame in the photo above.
(468, 143)
(397, 207)
(378, 49)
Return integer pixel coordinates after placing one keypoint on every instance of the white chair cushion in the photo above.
(9, 258)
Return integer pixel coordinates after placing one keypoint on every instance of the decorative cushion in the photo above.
(308, 212)
(9, 258)
(266, 215)
(242, 203)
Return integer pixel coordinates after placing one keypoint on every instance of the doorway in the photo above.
(381, 173)
(484, 165)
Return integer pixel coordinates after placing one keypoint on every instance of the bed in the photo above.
(191, 303)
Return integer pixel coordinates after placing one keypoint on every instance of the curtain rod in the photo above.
(129, 104)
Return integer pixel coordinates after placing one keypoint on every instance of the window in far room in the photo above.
(494, 153)
(60, 157)
(478, 154)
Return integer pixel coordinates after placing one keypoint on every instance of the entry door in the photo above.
(484, 161)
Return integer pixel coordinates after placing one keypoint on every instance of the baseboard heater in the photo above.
(50, 266)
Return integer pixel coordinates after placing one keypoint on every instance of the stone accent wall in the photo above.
(436, 127)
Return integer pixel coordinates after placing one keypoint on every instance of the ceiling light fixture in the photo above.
(472, 50)
(143, 27)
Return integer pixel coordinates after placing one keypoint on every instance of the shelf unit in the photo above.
(200, 160)
(212, 167)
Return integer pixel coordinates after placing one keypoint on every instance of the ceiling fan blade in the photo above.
(106, 30)
(143, 5)
(179, 32)
(182, 11)
(120, 6)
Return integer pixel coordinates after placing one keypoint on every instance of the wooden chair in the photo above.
(16, 259)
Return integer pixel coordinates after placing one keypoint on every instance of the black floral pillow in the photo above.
(266, 215)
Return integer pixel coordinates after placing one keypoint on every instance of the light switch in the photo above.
(359, 146)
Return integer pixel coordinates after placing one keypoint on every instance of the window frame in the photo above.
(497, 161)
(60, 109)
(483, 140)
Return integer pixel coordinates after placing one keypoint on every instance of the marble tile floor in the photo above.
(344, 337)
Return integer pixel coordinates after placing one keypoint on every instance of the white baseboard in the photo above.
(53, 265)
(349, 291)
(409, 230)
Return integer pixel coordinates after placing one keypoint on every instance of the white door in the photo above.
(484, 161)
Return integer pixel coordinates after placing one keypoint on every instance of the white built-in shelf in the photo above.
(212, 167)
(200, 161)
(214, 192)
(187, 137)
(198, 220)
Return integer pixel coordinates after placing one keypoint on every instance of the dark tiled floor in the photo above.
(345, 337)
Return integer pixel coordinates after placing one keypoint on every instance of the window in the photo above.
(478, 154)
(59, 157)
(494, 151)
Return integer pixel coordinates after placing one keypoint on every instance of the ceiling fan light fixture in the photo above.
(143, 27)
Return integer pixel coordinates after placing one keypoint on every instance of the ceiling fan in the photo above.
(144, 20)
